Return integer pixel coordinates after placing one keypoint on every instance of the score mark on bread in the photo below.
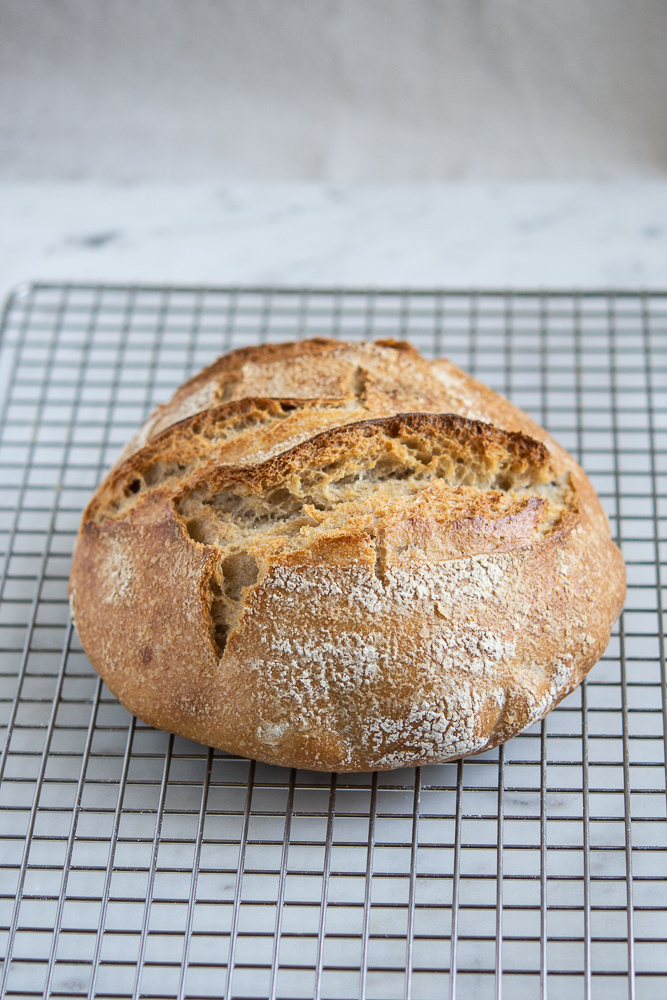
(302, 580)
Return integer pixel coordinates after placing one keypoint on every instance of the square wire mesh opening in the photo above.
(135, 864)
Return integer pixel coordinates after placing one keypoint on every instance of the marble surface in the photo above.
(501, 235)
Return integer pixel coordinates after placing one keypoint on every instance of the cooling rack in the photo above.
(137, 864)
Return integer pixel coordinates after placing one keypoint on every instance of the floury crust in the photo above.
(306, 574)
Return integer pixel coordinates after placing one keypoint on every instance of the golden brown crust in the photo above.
(303, 581)
(379, 379)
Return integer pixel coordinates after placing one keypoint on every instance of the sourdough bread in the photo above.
(346, 559)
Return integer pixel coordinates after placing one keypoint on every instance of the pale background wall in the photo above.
(333, 90)
(334, 142)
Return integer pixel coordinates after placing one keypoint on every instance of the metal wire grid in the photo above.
(137, 864)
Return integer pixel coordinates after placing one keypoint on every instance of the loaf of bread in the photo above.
(341, 557)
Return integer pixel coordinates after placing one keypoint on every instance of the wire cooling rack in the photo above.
(138, 864)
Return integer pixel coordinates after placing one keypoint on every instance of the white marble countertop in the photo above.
(500, 235)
